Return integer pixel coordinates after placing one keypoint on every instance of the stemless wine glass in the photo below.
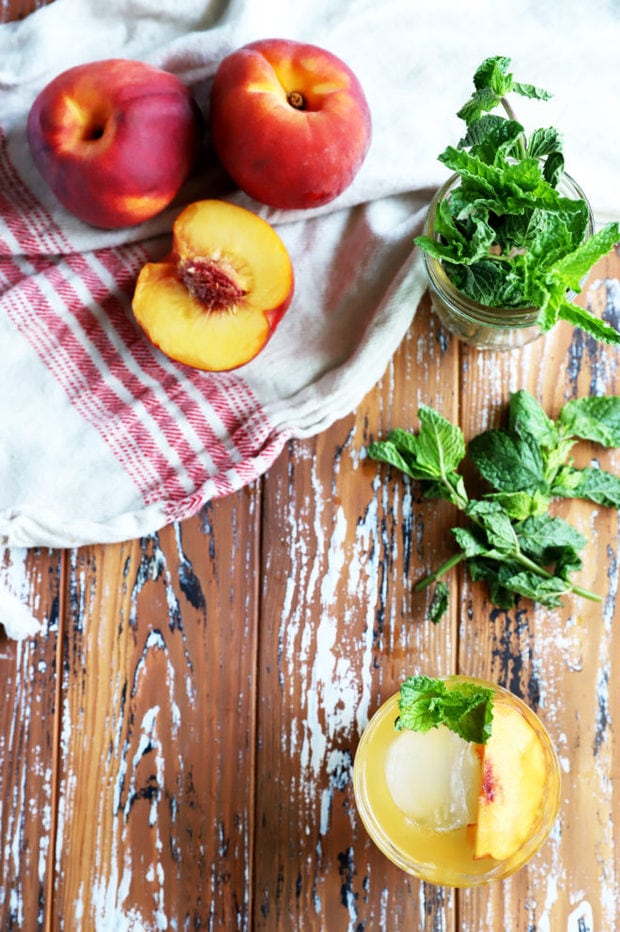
(448, 856)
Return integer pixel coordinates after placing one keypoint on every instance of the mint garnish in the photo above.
(465, 708)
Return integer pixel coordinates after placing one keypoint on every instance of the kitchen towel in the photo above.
(102, 438)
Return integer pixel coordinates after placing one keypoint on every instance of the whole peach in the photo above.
(115, 139)
(289, 121)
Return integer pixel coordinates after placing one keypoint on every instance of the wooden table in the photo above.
(179, 743)
(176, 748)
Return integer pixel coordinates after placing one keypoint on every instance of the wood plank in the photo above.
(11, 10)
(28, 740)
(156, 787)
(560, 661)
(342, 541)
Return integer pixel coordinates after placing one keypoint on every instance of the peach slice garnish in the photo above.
(512, 788)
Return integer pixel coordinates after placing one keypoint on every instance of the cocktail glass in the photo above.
(455, 813)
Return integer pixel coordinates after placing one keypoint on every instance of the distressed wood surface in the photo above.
(160, 633)
(561, 661)
(176, 744)
(29, 740)
(339, 628)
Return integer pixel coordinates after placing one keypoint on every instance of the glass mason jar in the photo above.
(447, 854)
(488, 328)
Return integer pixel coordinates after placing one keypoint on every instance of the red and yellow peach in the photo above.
(290, 122)
(115, 140)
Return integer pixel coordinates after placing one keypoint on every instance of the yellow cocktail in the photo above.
(455, 811)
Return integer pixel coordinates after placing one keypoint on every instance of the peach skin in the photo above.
(115, 140)
(290, 122)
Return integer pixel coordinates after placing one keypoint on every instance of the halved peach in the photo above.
(216, 300)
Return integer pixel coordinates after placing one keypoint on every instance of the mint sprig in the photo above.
(505, 234)
(465, 708)
(511, 540)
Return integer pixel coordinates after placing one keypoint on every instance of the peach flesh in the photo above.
(513, 786)
(215, 301)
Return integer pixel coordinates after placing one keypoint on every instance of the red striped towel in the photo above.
(104, 437)
(101, 436)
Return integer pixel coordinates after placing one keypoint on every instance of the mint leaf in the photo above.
(496, 524)
(530, 90)
(434, 453)
(521, 505)
(431, 456)
(595, 418)
(452, 489)
(546, 592)
(509, 463)
(440, 444)
(497, 577)
(465, 708)
(579, 317)
(491, 135)
(506, 236)
(527, 418)
(481, 101)
(554, 168)
(388, 452)
(484, 178)
(551, 232)
(512, 542)
(493, 74)
(548, 539)
(572, 268)
(470, 542)
(544, 142)
(488, 284)
(439, 603)
(595, 485)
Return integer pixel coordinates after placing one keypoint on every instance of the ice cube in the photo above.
(434, 778)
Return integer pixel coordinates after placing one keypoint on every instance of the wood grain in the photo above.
(202, 691)
(178, 747)
(339, 628)
(156, 782)
(29, 740)
(560, 661)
